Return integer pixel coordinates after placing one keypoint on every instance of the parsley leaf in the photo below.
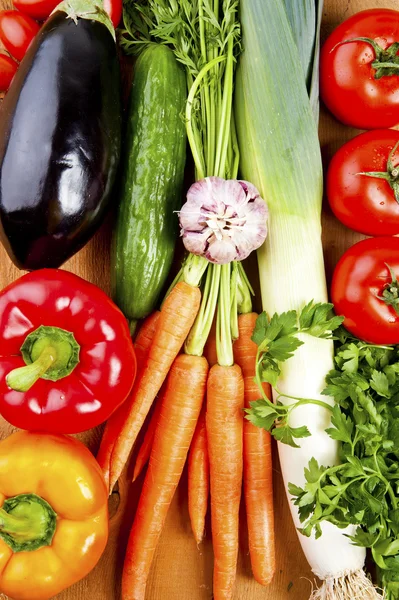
(342, 429)
(261, 325)
(284, 347)
(379, 383)
(288, 435)
(350, 358)
(318, 320)
(262, 414)
(364, 489)
(314, 471)
(279, 326)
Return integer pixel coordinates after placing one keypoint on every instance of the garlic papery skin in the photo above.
(223, 219)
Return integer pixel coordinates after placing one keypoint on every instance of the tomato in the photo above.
(114, 9)
(364, 291)
(16, 32)
(37, 9)
(348, 82)
(366, 204)
(41, 9)
(8, 68)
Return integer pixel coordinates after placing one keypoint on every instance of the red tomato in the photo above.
(361, 279)
(37, 9)
(41, 9)
(348, 83)
(8, 68)
(366, 204)
(16, 32)
(114, 9)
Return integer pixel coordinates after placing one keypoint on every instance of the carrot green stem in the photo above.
(200, 331)
(196, 149)
(224, 131)
(224, 342)
(244, 291)
(193, 269)
(235, 149)
(234, 301)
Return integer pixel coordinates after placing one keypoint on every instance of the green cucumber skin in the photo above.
(151, 182)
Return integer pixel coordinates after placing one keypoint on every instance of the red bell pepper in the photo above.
(66, 358)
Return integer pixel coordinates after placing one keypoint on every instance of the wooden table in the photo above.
(181, 571)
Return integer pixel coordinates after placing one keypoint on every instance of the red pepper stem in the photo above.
(23, 378)
(49, 353)
(27, 522)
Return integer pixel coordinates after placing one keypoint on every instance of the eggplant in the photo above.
(60, 137)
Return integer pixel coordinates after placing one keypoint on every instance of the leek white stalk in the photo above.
(281, 156)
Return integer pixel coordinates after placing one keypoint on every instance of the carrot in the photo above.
(198, 459)
(115, 422)
(176, 319)
(198, 480)
(224, 427)
(179, 414)
(145, 448)
(143, 341)
(258, 477)
(111, 429)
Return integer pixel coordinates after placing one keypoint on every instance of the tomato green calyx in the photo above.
(49, 353)
(92, 10)
(390, 295)
(27, 523)
(391, 175)
(386, 62)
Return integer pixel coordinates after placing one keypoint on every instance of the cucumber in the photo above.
(151, 183)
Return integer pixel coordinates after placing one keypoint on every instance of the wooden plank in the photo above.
(181, 571)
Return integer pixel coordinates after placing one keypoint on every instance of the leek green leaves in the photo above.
(305, 19)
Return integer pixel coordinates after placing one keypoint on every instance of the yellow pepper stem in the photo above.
(27, 522)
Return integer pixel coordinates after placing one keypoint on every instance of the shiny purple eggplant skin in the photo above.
(60, 133)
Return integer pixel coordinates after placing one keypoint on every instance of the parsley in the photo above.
(364, 489)
(277, 340)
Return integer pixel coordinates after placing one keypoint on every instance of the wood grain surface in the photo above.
(181, 570)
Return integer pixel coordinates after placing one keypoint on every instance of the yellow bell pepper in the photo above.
(53, 515)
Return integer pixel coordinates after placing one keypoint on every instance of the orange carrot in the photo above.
(115, 422)
(198, 459)
(179, 414)
(224, 427)
(177, 316)
(198, 480)
(111, 429)
(258, 477)
(143, 341)
(145, 448)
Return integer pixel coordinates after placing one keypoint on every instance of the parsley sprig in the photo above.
(364, 489)
(277, 339)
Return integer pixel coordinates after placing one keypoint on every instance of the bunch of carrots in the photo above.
(196, 359)
(198, 414)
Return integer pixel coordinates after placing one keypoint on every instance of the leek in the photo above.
(281, 155)
(302, 18)
(305, 19)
